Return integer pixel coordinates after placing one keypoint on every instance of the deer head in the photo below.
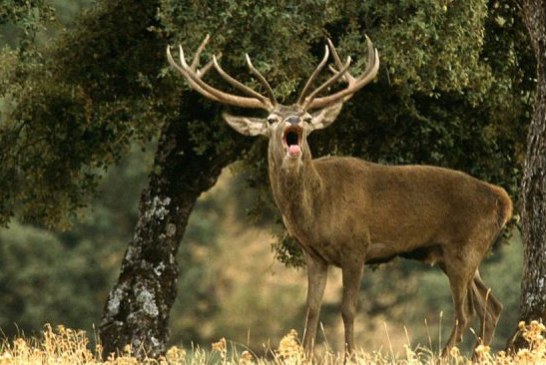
(287, 126)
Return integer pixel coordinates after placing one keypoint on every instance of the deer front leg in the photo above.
(352, 275)
(316, 281)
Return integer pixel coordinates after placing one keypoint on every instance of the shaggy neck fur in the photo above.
(295, 184)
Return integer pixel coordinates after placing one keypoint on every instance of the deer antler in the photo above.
(353, 84)
(313, 76)
(194, 77)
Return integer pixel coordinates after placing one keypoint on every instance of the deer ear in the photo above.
(324, 117)
(246, 125)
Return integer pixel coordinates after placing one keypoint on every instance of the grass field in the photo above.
(65, 346)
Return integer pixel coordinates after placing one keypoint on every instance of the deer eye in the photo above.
(271, 119)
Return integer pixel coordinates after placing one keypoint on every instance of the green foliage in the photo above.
(288, 251)
(25, 12)
(430, 46)
(64, 277)
(42, 281)
(438, 78)
(288, 28)
(63, 124)
(68, 10)
(452, 88)
(20, 21)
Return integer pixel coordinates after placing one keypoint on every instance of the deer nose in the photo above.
(294, 119)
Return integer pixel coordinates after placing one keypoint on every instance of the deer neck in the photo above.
(295, 183)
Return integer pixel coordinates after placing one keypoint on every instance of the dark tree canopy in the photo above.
(453, 88)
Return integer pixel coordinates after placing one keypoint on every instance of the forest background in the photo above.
(231, 284)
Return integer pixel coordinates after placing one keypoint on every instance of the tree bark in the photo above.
(137, 310)
(533, 192)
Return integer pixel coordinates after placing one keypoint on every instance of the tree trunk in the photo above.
(137, 310)
(533, 192)
(116, 47)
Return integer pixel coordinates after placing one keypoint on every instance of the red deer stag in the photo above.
(347, 212)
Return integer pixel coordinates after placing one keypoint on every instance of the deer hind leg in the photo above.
(460, 277)
(488, 309)
(316, 282)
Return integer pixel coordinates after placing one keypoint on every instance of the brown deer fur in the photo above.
(347, 212)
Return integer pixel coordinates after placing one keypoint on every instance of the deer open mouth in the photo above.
(292, 140)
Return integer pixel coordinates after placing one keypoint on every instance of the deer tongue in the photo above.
(294, 150)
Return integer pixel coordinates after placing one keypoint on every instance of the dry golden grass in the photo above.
(64, 346)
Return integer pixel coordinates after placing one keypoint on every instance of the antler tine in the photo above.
(238, 85)
(194, 78)
(313, 76)
(261, 78)
(200, 49)
(335, 56)
(192, 83)
(327, 83)
(372, 56)
(196, 58)
(355, 84)
(201, 72)
(348, 77)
